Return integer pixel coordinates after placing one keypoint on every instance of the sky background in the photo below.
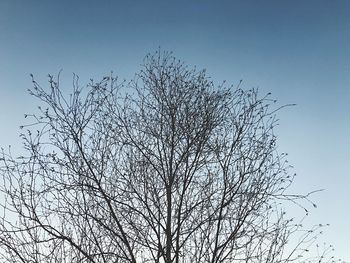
(298, 50)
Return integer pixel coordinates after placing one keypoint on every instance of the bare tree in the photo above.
(166, 168)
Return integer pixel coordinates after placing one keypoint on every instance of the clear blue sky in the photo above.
(298, 50)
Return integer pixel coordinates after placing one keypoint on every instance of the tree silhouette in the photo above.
(165, 168)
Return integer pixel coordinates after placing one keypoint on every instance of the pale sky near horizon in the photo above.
(298, 50)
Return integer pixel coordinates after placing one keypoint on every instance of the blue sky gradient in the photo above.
(298, 50)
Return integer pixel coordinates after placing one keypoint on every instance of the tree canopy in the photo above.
(168, 167)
